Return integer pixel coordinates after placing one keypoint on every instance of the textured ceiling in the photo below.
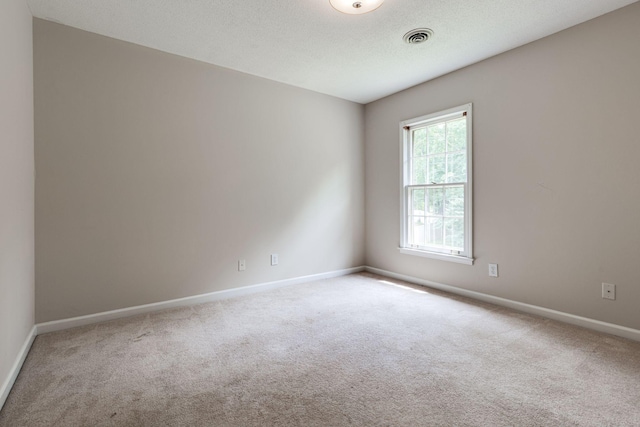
(309, 44)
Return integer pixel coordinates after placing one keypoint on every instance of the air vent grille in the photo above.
(419, 35)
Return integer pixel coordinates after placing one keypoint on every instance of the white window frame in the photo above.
(465, 256)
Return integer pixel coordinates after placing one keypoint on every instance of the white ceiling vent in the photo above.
(419, 35)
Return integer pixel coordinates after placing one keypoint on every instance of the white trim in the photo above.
(406, 126)
(437, 117)
(17, 365)
(58, 325)
(436, 255)
(596, 325)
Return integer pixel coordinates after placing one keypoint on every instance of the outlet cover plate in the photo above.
(608, 291)
(493, 270)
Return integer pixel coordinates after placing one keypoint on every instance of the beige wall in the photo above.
(157, 173)
(556, 174)
(16, 181)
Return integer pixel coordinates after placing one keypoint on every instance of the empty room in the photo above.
(319, 213)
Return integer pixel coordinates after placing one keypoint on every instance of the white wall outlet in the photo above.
(493, 270)
(608, 291)
(274, 259)
(242, 265)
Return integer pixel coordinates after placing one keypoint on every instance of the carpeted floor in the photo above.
(356, 350)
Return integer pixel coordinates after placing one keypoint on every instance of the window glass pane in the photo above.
(436, 169)
(457, 167)
(419, 170)
(434, 201)
(416, 234)
(417, 201)
(454, 233)
(419, 139)
(436, 138)
(454, 201)
(457, 134)
(434, 231)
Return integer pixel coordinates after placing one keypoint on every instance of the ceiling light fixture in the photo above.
(355, 7)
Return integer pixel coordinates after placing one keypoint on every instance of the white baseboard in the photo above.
(58, 325)
(17, 365)
(597, 325)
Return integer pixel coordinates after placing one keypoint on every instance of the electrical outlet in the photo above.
(274, 259)
(242, 265)
(493, 270)
(608, 291)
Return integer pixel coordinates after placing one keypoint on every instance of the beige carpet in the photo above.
(357, 350)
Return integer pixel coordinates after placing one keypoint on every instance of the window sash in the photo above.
(409, 212)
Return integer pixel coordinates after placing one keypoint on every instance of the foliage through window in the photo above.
(437, 184)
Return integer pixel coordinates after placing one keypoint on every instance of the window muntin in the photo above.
(437, 183)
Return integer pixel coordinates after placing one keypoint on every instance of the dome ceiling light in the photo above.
(357, 7)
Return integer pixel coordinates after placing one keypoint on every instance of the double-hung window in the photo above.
(436, 185)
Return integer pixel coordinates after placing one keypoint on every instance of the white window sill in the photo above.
(434, 255)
